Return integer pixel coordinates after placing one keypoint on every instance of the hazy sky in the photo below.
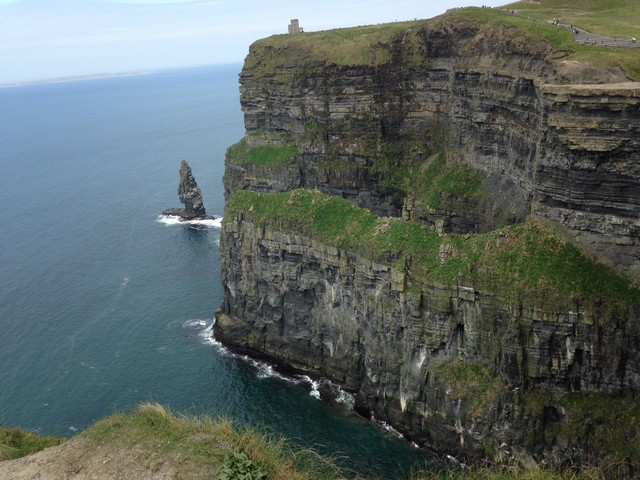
(54, 38)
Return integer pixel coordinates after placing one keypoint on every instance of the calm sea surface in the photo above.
(102, 304)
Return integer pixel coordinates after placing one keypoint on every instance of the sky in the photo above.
(43, 39)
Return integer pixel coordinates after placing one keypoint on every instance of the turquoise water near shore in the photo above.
(103, 304)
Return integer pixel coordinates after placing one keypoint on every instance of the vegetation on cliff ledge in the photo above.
(528, 262)
(436, 180)
(16, 443)
(470, 381)
(267, 155)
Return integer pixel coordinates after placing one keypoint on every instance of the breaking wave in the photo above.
(175, 220)
(323, 390)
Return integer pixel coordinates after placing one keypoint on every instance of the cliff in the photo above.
(460, 292)
(492, 97)
(447, 339)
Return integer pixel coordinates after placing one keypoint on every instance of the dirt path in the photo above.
(584, 37)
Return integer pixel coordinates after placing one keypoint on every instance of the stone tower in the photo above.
(294, 27)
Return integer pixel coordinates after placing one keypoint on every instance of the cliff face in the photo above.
(489, 97)
(592, 184)
(460, 127)
(453, 368)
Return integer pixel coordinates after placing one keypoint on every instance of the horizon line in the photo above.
(104, 75)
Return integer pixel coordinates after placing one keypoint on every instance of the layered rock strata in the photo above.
(544, 143)
(461, 126)
(455, 369)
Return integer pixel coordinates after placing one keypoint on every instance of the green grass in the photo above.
(436, 179)
(538, 33)
(616, 18)
(366, 45)
(16, 443)
(267, 155)
(537, 36)
(527, 262)
(374, 45)
(201, 447)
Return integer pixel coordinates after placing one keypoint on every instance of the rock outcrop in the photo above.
(462, 127)
(190, 196)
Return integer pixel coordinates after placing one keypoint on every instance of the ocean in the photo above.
(104, 303)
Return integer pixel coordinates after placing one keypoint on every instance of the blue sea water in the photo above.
(104, 305)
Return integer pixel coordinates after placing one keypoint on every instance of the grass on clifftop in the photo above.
(16, 443)
(372, 45)
(200, 447)
(366, 45)
(616, 18)
(527, 262)
(602, 58)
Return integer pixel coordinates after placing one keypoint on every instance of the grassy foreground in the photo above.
(202, 447)
(509, 473)
(153, 442)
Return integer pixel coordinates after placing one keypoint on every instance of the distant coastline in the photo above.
(74, 78)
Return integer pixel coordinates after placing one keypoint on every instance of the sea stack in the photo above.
(190, 195)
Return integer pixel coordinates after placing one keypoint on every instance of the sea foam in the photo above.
(266, 370)
(175, 220)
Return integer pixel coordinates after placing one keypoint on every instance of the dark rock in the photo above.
(190, 195)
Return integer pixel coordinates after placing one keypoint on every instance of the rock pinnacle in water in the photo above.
(190, 195)
(189, 192)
